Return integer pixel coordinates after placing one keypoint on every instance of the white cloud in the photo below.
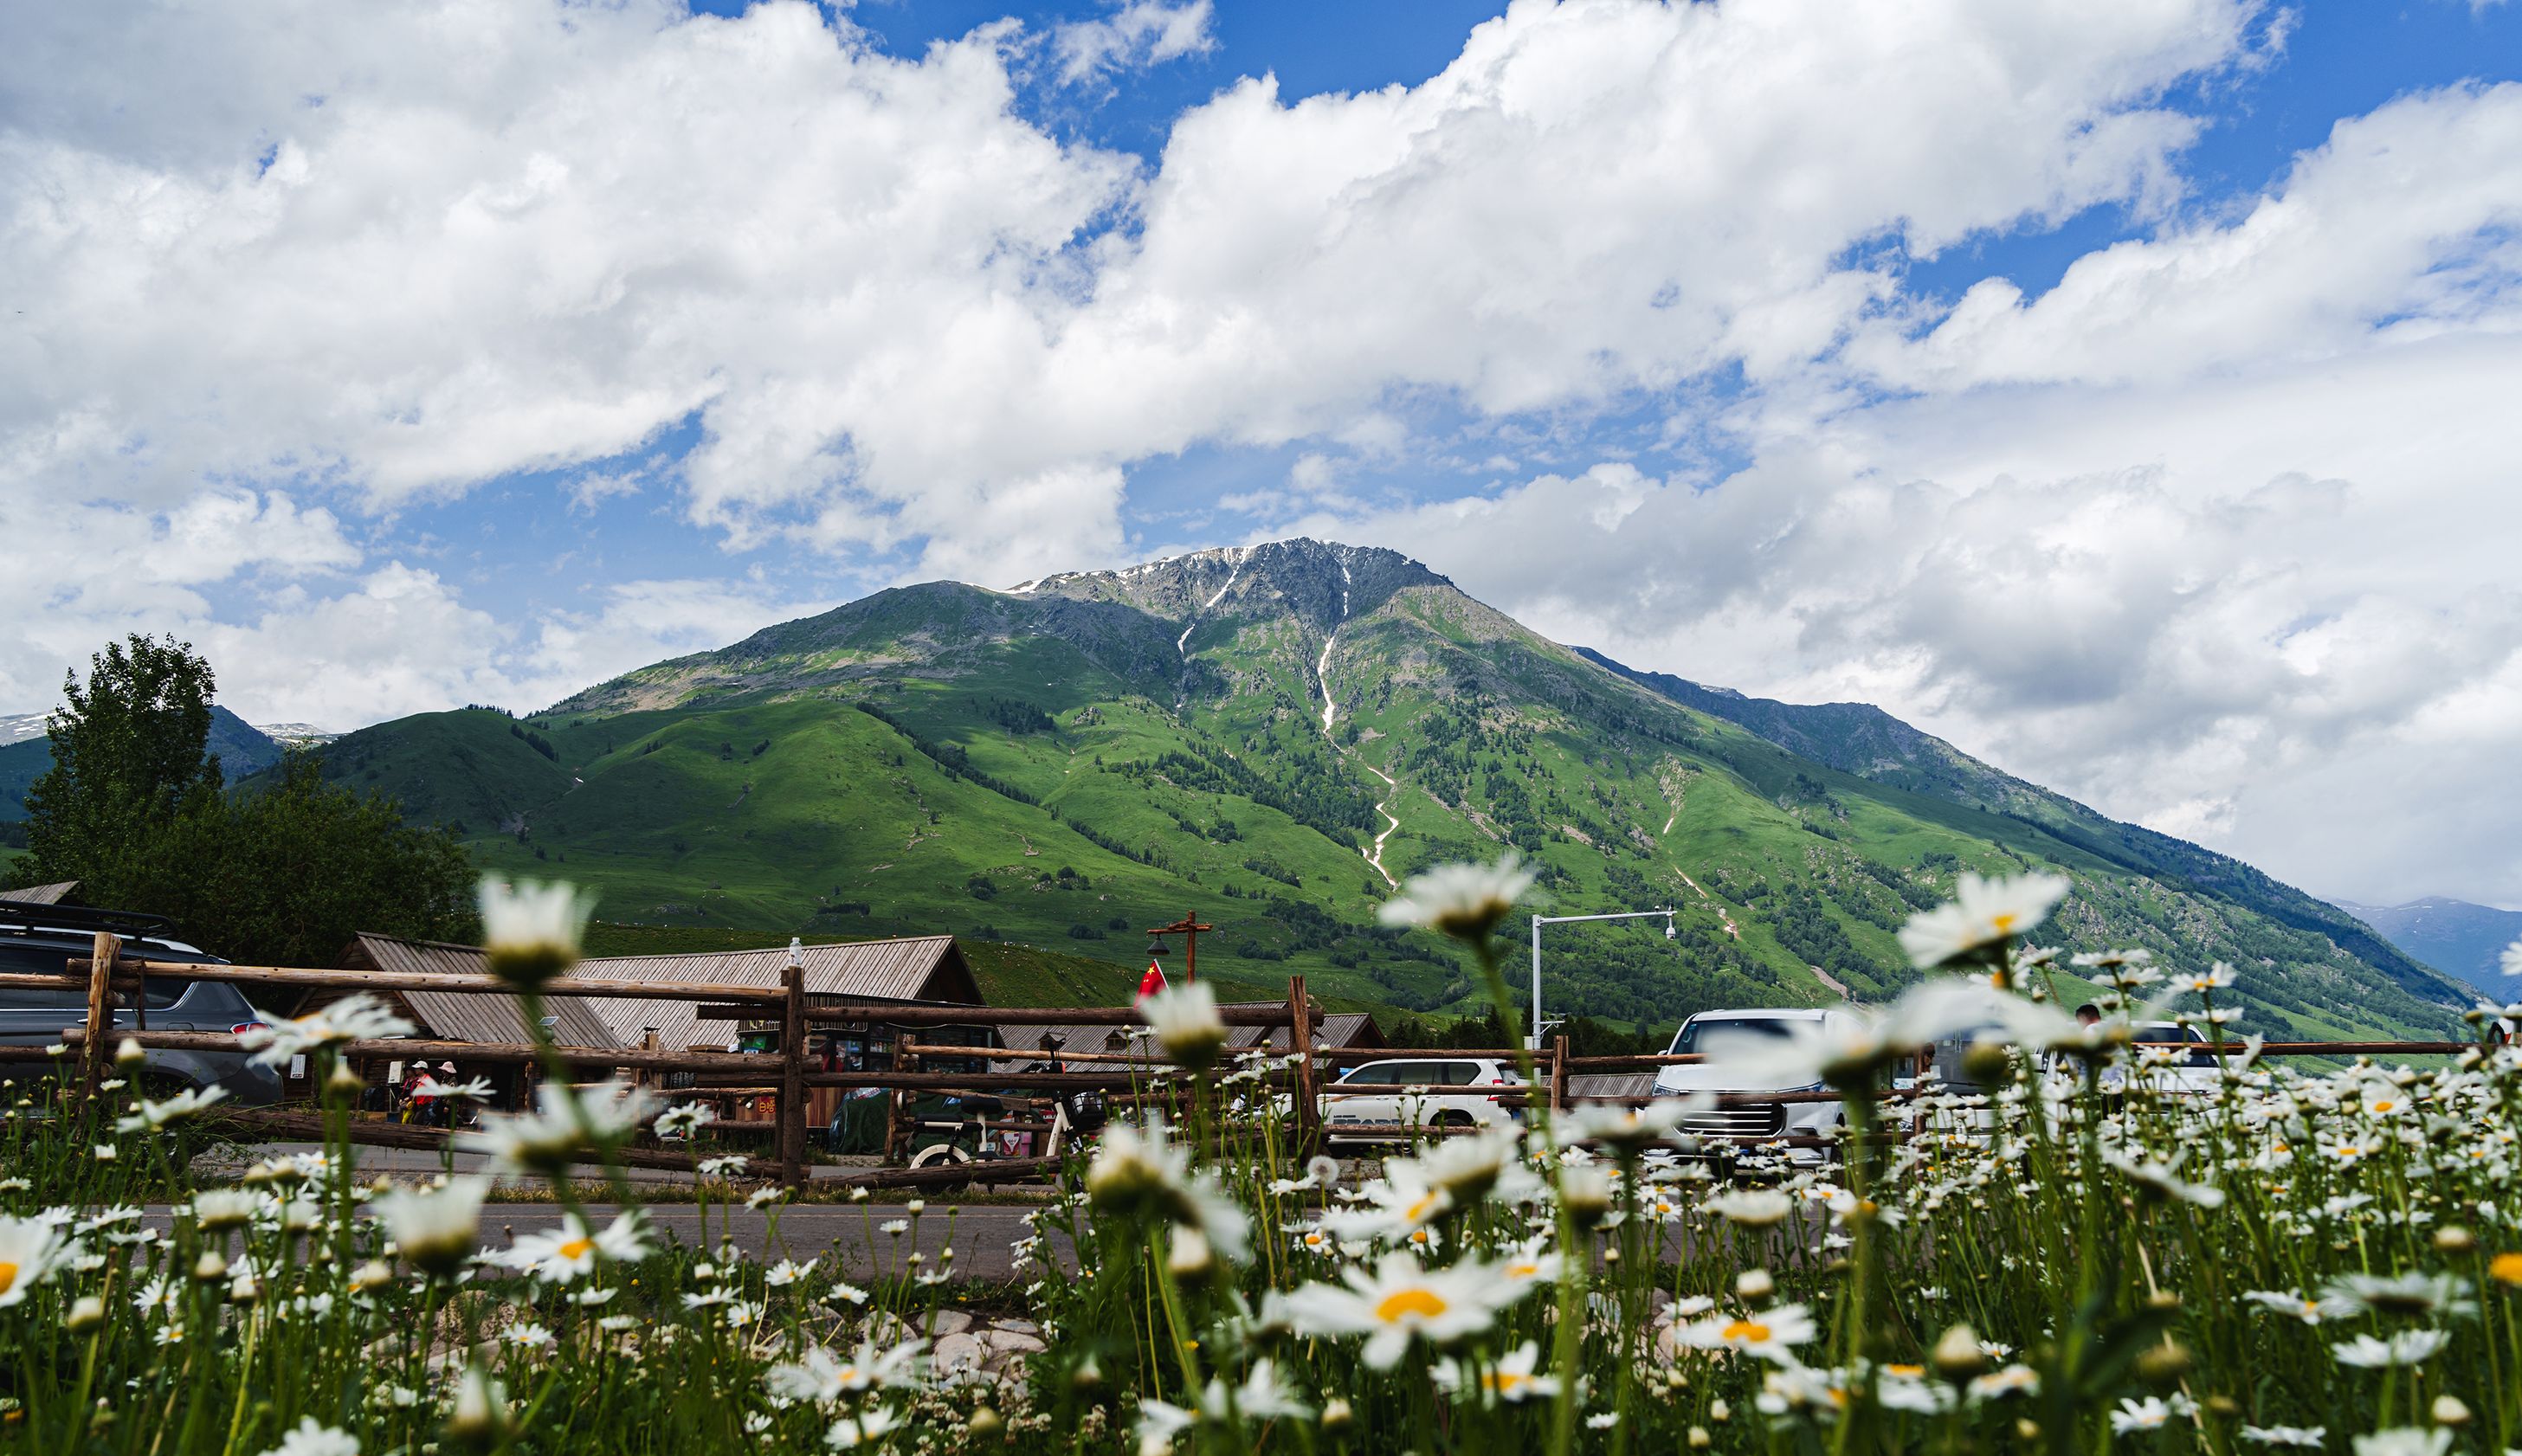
(1136, 34)
(2404, 223)
(2214, 531)
(490, 238)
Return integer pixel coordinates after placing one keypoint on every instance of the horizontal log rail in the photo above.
(399, 1049)
(1005, 1053)
(880, 1013)
(129, 972)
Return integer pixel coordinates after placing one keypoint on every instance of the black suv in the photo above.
(44, 937)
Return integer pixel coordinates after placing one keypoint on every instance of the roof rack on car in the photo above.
(14, 915)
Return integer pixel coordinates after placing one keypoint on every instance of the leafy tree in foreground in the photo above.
(284, 871)
(129, 754)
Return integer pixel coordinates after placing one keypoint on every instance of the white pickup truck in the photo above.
(1759, 1121)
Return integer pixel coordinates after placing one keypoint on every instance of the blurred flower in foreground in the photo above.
(1985, 914)
(530, 933)
(1186, 1024)
(1462, 900)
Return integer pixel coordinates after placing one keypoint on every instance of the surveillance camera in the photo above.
(1669, 933)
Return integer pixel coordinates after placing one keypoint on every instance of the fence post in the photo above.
(897, 1119)
(791, 1128)
(99, 1043)
(1301, 1042)
(1558, 1074)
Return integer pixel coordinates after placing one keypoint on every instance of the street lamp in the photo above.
(1532, 1038)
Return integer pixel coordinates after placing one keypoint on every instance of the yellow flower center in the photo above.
(9, 1274)
(1420, 1208)
(1747, 1332)
(576, 1248)
(2504, 1268)
(1906, 1372)
(1520, 1269)
(2004, 924)
(1401, 1304)
(1502, 1380)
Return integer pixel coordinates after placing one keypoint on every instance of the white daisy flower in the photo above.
(1400, 1300)
(1985, 912)
(149, 1116)
(560, 1255)
(2406, 1347)
(314, 1438)
(30, 1250)
(1769, 1334)
(436, 1228)
(357, 1017)
(1512, 1379)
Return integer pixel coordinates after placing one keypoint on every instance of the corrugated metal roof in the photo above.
(926, 968)
(476, 1018)
(1338, 1030)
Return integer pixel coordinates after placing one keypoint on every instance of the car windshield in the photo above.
(1698, 1034)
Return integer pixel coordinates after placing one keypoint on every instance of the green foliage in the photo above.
(129, 754)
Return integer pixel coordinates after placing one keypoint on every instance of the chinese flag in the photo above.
(1154, 981)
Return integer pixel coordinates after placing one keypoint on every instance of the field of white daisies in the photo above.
(2054, 1257)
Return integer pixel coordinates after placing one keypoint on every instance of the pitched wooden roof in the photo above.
(53, 894)
(922, 969)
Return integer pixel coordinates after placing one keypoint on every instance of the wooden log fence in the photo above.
(106, 975)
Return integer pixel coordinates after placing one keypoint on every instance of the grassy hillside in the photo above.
(1271, 737)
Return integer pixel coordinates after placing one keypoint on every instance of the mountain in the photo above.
(2454, 936)
(242, 749)
(1272, 737)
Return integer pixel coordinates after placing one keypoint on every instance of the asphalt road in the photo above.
(982, 1237)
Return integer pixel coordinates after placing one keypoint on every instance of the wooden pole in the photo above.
(792, 1077)
(1558, 1074)
(1301, 1042)
(1191, 947)
(897, 1114)
(100, 1016)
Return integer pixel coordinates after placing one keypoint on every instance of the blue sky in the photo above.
(2114, 389)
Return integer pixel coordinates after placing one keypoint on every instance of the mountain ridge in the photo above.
(1297, 725)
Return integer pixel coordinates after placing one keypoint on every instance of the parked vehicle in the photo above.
(44, 937)
(1754, 1122)
(1420, 1092)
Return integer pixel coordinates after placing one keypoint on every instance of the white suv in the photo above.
(1418, 1092)
(1752, 1124)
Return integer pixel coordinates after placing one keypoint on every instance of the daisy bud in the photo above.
(129, 1054)
(211, 1266)
(1719, 1411)
(1338, 1414)
(530, 933)
(984, 1422)
(1087, 1375)
(370, 1275)
(1156, 1443)
(1957, 1354)
(2027, 1430)
(480, 1412)
(2453, 1237)
(2163, 1365)
(2449, 1411)
(84, 1315)
(1191, 1258)
(1754, 1284)
(1700, 1439)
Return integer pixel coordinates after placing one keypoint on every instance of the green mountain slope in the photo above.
(1272, 737)
(242, 751)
